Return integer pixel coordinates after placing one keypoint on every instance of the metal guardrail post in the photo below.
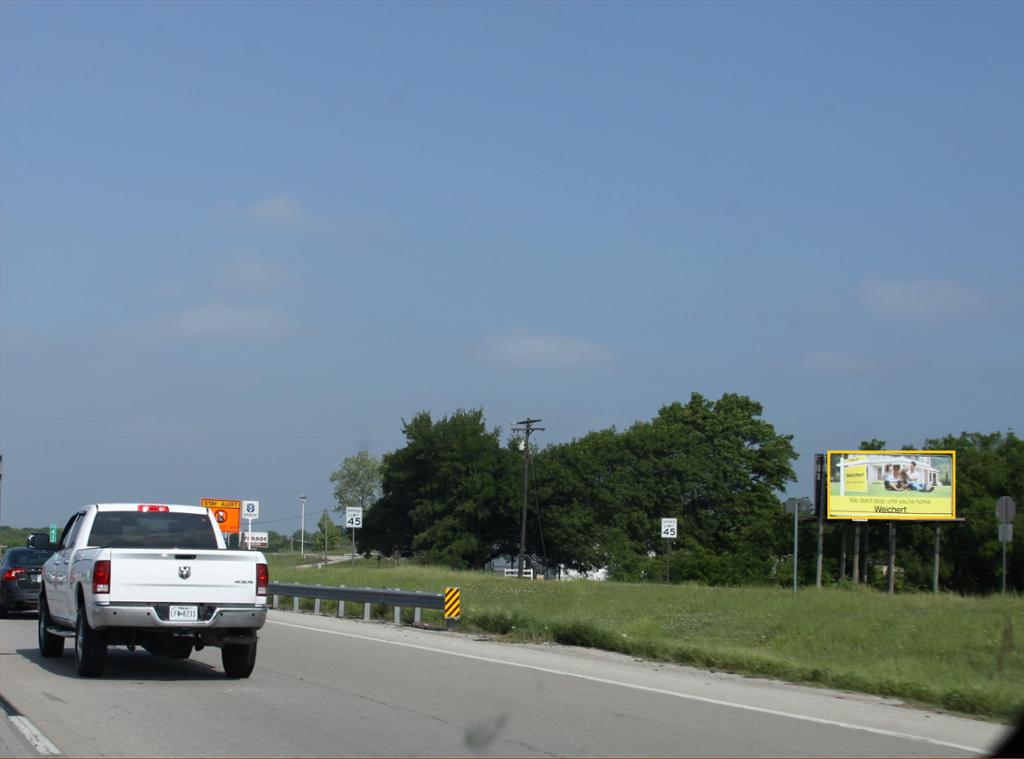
(316, 606)
(295, 603)
(341, 609)
(416, 615)
(398, 615)
(366, 612)
(277, 600)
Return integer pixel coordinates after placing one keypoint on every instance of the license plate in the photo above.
(184, 613)
(33, 578)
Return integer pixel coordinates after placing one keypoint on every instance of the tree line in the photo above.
(453, 495)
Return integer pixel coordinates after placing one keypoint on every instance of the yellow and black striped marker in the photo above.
(452, 603)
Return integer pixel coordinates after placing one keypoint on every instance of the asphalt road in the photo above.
(328, 687)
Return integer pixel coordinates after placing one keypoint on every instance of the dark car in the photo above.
(20, 570)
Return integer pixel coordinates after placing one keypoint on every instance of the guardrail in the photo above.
(399, 599)
(512, 572)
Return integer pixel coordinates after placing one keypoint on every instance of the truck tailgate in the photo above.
(160, 576)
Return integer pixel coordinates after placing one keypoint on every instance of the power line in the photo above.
(297, 516)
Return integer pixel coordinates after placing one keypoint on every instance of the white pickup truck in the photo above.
(154, 576)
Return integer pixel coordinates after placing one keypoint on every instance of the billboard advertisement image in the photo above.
(892, 485)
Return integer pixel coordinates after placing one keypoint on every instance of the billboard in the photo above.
(225, 512)
(892, 485)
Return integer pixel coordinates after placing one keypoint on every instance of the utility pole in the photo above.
(302, 527)
(527, 428)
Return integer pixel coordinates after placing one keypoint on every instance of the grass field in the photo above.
(948, 651)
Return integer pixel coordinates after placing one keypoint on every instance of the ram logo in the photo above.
(184, 572)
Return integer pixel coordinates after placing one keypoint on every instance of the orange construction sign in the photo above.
(225, 512)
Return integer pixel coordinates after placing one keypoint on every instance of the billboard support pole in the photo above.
(892, 558)
(796, 543)
(935, 573)
(842, 553)
(867, 554)
(1004, 566)
(856, 554)
(821, 540)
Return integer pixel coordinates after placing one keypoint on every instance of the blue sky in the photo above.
(241, 242)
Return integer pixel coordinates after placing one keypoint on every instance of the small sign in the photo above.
(53, 532)
(802, 506)
(250, 509)
(257, 539)
(452, 603)
(1006, 533)
(669, 528)
(1006, 509)
(354, 517)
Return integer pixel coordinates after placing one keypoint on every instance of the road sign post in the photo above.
(1006, 510)
(669, 531)
(250, 511)
(354, 520)
(796, 506)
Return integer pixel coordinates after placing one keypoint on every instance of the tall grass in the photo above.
(960, 653)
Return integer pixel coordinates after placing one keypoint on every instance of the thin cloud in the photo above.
(278, 211)
(227, 321)
(926, 299)
(831, 363)
(251, 275)
(519, 349)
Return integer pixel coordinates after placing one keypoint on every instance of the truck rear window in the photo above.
(131, 529)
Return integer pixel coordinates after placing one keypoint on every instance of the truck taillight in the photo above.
(101, 576)
(262, 579)
(152, 507)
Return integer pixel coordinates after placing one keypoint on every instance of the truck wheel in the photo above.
(238, 658)
(90, 648)
(50, 645)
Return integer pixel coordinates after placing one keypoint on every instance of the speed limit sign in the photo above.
(354, 517)
(668, 528)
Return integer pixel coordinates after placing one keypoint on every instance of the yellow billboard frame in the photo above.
(882, 508)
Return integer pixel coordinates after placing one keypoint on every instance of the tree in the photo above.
(327, 533)
(448, 493)
(987, 466)
(714, 465)
(358, 482)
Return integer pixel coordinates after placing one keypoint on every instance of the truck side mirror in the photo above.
(40, 540)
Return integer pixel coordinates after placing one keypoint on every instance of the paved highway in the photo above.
(347, 688)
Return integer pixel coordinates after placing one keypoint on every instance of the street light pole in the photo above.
(302, 528)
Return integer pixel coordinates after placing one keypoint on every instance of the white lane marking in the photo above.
(648, 689)
(39, 741)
